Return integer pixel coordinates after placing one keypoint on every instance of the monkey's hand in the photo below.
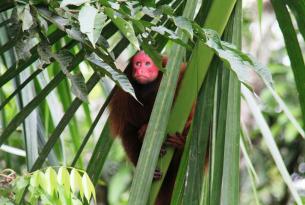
(157, 174)
(176, 140)
(142, 131)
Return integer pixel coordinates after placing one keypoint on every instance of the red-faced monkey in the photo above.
(129, 119)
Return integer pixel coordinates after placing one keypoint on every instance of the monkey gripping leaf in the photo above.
(91, 22)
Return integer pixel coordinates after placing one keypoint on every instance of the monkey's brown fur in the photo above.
(127, 117)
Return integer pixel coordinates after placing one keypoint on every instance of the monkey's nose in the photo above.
(139, 71)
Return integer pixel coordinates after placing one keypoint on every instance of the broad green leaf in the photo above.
(239, 62)
(91, 22)
(23, 47)
(115, 74)
(166, 9)
(124, 26)
(51, 178)
(65, 3)
(76, 182)
(43, 24)
(45, 54)
(170, 35)
(149, 11)
(63, 178)
(26, 18)
(184, 24)
(79, 88)
(64, 58)
(151, 3)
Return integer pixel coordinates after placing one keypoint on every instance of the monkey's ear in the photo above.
(164, 61)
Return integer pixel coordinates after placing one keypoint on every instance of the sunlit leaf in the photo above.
(63, 178)
(184, 24)
(26, 18)
(88, 187)
(35, 179)
(51, 178)
(76, 182)
(91, 22)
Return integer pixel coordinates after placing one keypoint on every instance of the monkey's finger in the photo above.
(175, 141)
(163, 150)
(157, 174)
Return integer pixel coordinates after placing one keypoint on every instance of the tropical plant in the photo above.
(46, 187)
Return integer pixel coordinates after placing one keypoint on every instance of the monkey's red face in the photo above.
(143, 68)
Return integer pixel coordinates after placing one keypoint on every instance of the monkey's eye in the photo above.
(147, 63)
(138, 63)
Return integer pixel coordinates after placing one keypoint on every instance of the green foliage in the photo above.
(47, 187)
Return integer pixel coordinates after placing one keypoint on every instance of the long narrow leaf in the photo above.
(62, 124)
(230, 186)
(266, 132)
(200, 137)
(188, 88)
(293, 49)
(36, 101)
(99, 155)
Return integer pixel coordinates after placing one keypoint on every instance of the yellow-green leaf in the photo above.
(76, 182)
(51, 178)
(63, 178)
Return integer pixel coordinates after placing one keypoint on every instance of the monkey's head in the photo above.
(144, 70)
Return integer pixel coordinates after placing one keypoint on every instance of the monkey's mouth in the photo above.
(142, 79)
